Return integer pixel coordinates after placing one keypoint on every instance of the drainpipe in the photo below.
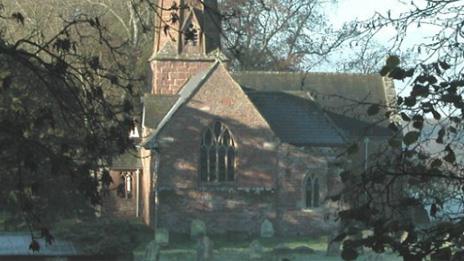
(155, 170)
(137, 191)
(366, 154)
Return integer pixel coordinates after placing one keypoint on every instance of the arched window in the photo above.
(311, 192)
(217, 155)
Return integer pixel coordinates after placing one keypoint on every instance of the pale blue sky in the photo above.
(348, 10)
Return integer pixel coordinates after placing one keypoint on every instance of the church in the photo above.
(236, 149)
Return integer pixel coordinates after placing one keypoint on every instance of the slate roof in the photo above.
(305, 109)
(344, 97)
(127, 161)
(296, 120)
(17, 244)
(337, 92)
(157, 106)
(184, 95)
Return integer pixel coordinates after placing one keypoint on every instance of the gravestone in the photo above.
(197, 228)
(255, 250)
(152, 251)
(204, 249)
(267, 229)
(162, 236)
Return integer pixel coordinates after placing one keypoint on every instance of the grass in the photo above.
(235, 247)
(231, 241)
(104, 236)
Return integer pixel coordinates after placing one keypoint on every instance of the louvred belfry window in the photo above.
(217, 155)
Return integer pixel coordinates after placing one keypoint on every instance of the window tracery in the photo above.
(217, 155)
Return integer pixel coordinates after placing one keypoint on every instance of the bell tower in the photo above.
(187, 40)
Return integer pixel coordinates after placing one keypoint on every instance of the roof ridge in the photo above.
(184, 95)
(302, 72)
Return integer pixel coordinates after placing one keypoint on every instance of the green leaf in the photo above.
(393, 61)
(394, 143)
(450, 157)
(441, 135)
(436, 115)
(409, 72)
(419, 90)
(399, 100)
(410, 101)
(418, 124)
(405, 117)
(397, 73)
(452, 129)
(444, 65)
(411, 137)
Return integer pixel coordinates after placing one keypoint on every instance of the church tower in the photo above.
(187, 41)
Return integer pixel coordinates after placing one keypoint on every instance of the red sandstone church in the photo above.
(236, 148)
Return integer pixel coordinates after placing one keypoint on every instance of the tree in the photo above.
(416, 178)
(278, 35)
(65, 112)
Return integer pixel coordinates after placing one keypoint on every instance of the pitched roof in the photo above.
(184, 95)
(157, 106)
(296, 120)
(345, 97)
(333, 91)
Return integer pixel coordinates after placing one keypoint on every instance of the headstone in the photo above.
(204, 249)
(162, 236)
(267, 229)
(256, 250)
(197, 229)
(152, 251)
(333, 247)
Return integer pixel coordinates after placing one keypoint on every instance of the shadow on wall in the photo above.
(241, 205)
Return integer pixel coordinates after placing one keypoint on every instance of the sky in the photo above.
(348, 10)
(344, 11)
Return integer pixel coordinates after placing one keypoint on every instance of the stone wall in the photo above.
(269, 180)
(223, 211)
(295, 166)
(182, 197)
(169, 76)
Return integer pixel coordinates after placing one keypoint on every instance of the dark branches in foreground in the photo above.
(410, 200)
(65, 111)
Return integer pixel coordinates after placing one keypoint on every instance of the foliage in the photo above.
(104, 236)
(409, 177)
(278, 34)
(65, 111)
